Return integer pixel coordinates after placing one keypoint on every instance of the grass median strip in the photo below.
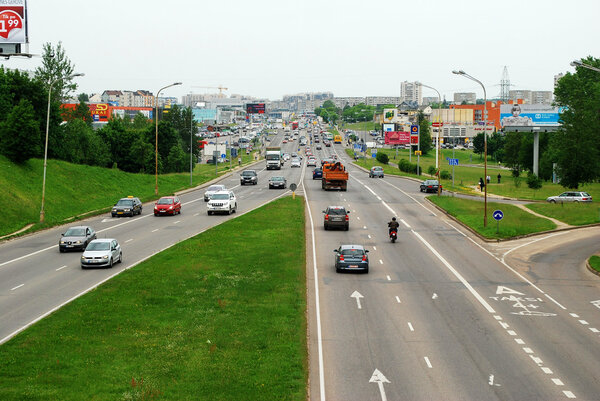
(516, 221)
(595, 262)
(220, 316)
(575, 214)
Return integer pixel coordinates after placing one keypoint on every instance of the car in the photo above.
(222, 202)
(286, 156)
(284, 141)
(336, 216)
(295, 162)
(212, 189)
(351, 258)
(102, 253)
(430, 186)
(327, 144)
(319, 147)
(312, 161)
(376, 171)
(327, 161)
(317, 173)
(317, 140)
(248, 177)
(167, 205)
(277, 182)
(76, 238)
(570, 197)
(129, 206)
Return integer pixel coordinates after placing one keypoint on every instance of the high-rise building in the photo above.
(411, 92)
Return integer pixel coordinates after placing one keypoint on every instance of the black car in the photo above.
(336, 216)
(129, 206)
(277, 182)
(76, 238)
(248, 177)
(430, 186)
(351, 257)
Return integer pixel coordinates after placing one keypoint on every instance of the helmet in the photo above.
(393, 219)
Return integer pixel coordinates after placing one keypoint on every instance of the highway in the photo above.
(440, 315)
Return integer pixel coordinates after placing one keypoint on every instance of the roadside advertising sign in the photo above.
(389, 127)
(397, 138)
(529, 115)
(414, 134)
(437, 124)
(13, 21)
(390, 115)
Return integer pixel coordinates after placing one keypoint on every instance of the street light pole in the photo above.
(42, 212)
(437, 144)
(191, 149)
(579, 63)
(156, 139)
(464, 74)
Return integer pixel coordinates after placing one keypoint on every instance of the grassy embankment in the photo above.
(575, 214)
(362, 126)
(73, 190)
(516, 221)
(198, 321)
(595, 262)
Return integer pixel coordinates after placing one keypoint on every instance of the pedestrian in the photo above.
(481, 184)
(499, 177)
(239, 161)
(487, 179)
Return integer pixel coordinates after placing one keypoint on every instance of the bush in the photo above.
(431, 170)
(407, 167)
(533, 181)
(445, 175)
(515, 172)
(382, 158)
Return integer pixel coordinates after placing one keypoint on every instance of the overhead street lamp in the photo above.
(42, 212)
(156, 141)
(464, 74)
(437, 148)
(579, 63)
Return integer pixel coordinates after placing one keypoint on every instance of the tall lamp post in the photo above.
(437, 144)
(579, 63)
(42, 212)
(156, 141)
(464, 74)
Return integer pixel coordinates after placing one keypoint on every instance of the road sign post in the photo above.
(293, 188)
(452, 162)
(498, 215)
(414, 131)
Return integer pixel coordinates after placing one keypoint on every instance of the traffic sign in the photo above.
(223, 155)
(414, 129)
(498, 215)
(452, 162)
(418, 153)
(293, 186)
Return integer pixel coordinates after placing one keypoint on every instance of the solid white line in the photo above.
(62, 267)
(531, 242)
(410, 326)
(405, 223)
(155, 230)
(411, 197)
(129, 240)
(428, 363)
(398, 299)
(19, 286)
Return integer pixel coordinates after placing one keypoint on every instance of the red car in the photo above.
(167, 205)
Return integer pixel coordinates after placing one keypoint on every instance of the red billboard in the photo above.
(397, 138)
(13, 21)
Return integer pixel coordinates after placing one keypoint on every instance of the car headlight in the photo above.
(82, 257)
(170, 207)
(114, 209)
(125, 210)
(62, 242)
(78, 242)
(105, 257)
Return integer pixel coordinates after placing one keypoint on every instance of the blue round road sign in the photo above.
(498, 215)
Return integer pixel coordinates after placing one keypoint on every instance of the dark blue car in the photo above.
(317, 173)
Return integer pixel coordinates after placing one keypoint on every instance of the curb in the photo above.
(590, 268)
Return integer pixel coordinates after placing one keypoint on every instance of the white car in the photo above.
(213, 189)
(295, 162)
(311, 162)
(222, 202)
(101, 253)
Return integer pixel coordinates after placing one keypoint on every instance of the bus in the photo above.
(337, 139)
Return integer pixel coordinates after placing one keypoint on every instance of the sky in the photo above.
(270, 48)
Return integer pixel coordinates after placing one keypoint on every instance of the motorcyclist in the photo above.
(393, 225)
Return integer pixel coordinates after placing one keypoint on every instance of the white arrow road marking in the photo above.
(379, 378)
(358, 296)
(106, 220)
(506, 290)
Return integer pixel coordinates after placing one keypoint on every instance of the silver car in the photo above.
(570, 197)
(376, 171)
(76, 238)
(211, 190)
(295, 162)
(102, 253)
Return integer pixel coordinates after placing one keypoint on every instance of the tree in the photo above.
(424, 133)
(512, 150)
(576, 145)
(56, 66)
(176, 160)
(83, 97)
(479, 144)
(20, 133)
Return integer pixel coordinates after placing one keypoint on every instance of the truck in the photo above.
(294, 125)
(335, 176)
(273, 158)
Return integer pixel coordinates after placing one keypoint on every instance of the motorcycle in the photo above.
(393, 235)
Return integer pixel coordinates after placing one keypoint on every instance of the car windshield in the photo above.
(248, 173)
(215, 188)
(75, 232)
(585, 194)
(165, 201)
(337, 211)
(431, 182)
(273, 157)
(125, 202)
(277, 178)
(98, 246)
(220, 196)
(353, 252)
(377, 168)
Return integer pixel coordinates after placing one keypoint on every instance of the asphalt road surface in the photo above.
(443, 316)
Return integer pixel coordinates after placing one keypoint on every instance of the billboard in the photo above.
(529, 115)
(389, 127)
(255, 108)
(390, 115)
(13, 21)
(397, 138)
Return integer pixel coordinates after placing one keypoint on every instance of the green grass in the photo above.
(516, 221)
(362, 126)
(595, 262)
(73, 190)
(575, 214)
(198, 321)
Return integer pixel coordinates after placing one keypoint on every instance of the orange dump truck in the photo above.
(335, 176)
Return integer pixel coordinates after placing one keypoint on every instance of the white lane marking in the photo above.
(405, 223)
(398, 299)
(364, 227)
(19, 286)
(129, 240)
(511, 332)
(583, 322)
(62, 267)
(374, 248)
(528, 350)
(428, 363)
(537, 360)
(569, 394)
(434, 296)
(358, 296)
(504, 325)
(531, 242)
(547, 371)
(575, 315)
(357, 218)
(497, 317)
(155, 230)
(411, 197)
(345, 200)
(379, 197)
(389, 278)
(177, 222)
(369, 235)
(380, 261)
(558, 382)
(519, 341)
(410, 326)
(196, 214)
(594, 330)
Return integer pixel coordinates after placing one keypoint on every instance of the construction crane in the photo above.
(220, 88)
